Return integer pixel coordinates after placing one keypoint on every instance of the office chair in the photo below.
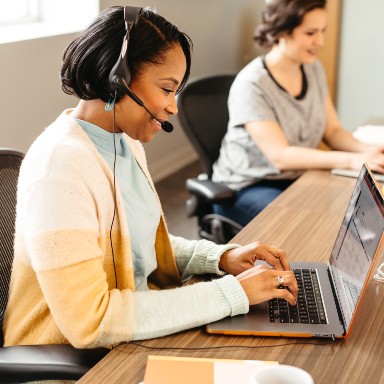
(19, 364)
(203, 114)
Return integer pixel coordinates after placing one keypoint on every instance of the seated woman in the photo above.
(280, 111)
(94, 263)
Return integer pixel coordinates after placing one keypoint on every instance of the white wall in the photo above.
(361, 70)
(31, 95)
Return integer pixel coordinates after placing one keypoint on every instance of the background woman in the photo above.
(280, 111)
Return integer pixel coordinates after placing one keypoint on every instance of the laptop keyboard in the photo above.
(309, 308)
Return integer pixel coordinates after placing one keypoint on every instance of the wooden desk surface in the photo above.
(304, 221)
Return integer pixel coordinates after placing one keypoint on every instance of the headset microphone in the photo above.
(120, 84)
(120, 76)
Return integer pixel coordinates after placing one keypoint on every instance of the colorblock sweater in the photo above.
(68, 287)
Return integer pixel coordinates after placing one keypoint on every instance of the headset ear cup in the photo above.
(121, 67)
(121, 71)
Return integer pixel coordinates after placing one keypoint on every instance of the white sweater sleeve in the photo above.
(196, 257)
(160, 313)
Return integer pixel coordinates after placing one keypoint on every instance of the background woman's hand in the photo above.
(240, 259)
(374, 158)
(261, 284)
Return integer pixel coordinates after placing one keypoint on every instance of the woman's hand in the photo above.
(374, 158)
(261, 284)
(240, 259)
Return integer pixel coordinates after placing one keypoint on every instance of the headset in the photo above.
(120, 76)
(119, 79)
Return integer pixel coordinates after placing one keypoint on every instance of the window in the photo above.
(19, 11)
(31, 19)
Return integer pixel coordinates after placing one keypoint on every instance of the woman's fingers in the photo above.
(287, 295)
(261, 284)
(288, 280)
(275, 257)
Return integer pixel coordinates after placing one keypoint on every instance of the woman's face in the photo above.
(156, 86)
(305, 41)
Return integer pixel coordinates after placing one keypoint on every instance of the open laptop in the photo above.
(335, 290)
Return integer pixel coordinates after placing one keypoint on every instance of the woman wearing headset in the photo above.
(94, 263)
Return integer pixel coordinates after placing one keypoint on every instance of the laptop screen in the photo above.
(357, 243)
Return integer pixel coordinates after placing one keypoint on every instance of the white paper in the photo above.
(370, 134)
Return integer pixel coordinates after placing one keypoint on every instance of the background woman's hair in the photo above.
(283, 16)
(89, 58)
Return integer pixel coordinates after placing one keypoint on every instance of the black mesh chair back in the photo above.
(10, 161)
(203, 113)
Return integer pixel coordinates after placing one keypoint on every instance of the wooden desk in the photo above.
(304, 221)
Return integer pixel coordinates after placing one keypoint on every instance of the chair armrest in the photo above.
(46, 362)
(209, 190)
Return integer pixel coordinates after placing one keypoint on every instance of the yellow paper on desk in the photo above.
(190, 370)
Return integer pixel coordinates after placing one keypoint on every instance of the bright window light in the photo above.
(32, 19)
(19, 11)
